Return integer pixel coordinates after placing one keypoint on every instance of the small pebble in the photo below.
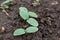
(48, 20)
(2, 29)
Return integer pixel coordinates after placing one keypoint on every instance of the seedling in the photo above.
(4, 6)
(25, 14)
(36, 2)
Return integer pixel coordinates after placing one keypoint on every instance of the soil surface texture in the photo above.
(49, 20)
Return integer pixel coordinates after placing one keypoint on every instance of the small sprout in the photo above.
(18, 32)
(31, 29)
(36, 3)
(4, 5)
(32, 14)
(6, 2)
(32, 22)
(23, 12)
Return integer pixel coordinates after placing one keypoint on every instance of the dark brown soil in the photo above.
(49, 20)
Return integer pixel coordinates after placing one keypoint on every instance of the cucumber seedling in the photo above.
(28, 16)
(4, 6)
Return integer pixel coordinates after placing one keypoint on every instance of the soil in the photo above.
(49, 20)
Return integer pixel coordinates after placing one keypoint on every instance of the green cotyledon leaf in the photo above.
(32, 14)
(23, 12)
(31, 29)
(18, 32)
(32, 22)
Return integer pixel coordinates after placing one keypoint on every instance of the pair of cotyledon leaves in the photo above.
(21, 31)
(25, 14)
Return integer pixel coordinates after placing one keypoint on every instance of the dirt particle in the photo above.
(25, 26)
(48, 20)
(2, 29)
